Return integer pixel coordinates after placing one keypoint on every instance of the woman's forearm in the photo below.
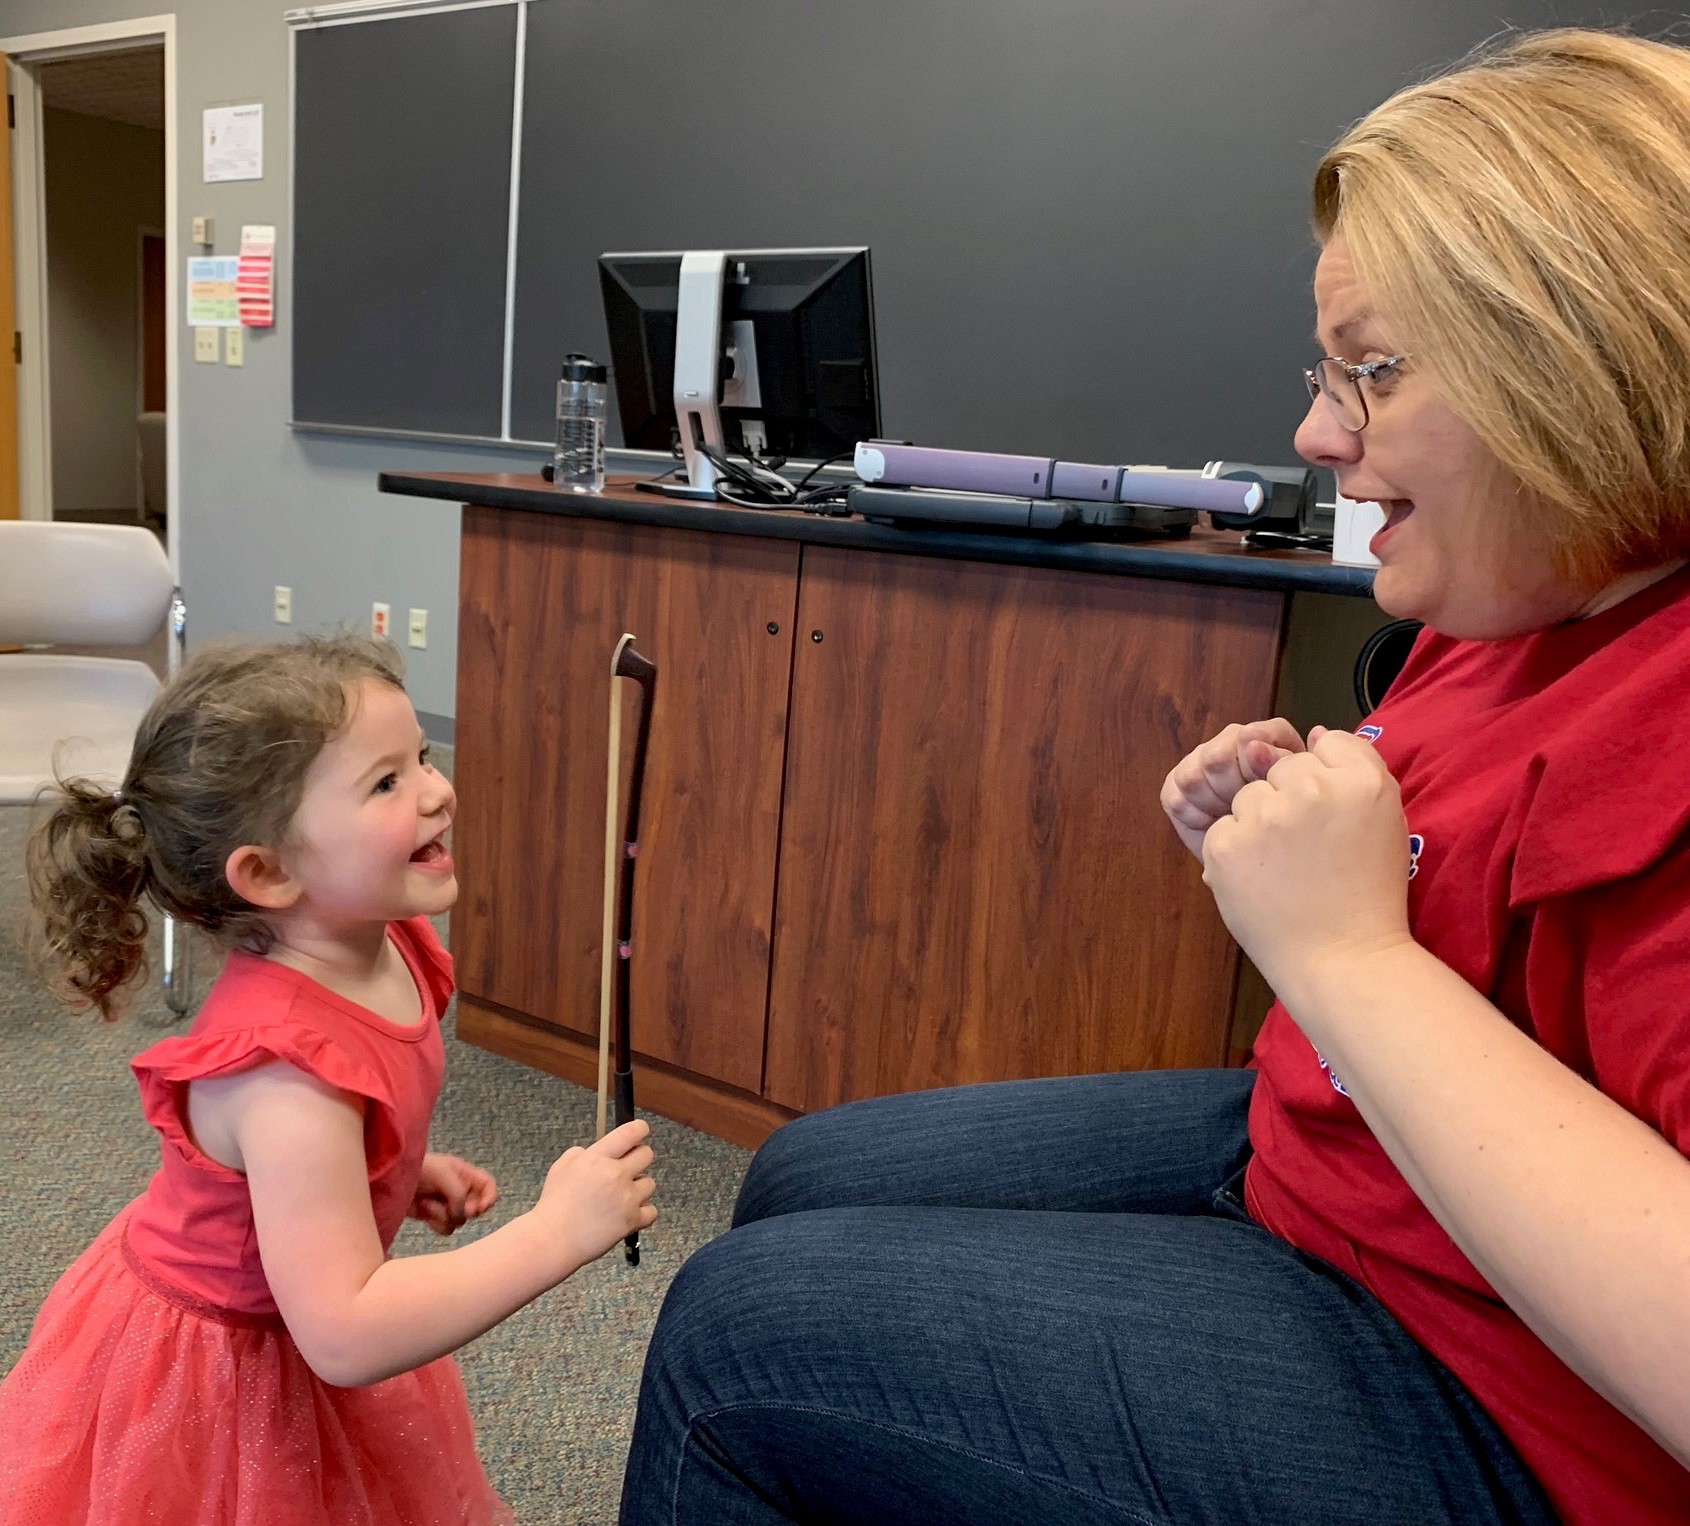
(1574, 1211)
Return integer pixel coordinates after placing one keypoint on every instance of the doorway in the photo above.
(102, 141)
(93, 207)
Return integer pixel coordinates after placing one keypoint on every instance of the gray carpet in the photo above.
(553, 1388)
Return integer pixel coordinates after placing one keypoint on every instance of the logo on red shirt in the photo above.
(1332, 1075)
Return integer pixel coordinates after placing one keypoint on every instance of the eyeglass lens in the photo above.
(1342, 393)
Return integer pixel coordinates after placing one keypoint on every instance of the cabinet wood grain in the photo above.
(543, 600)
(976, 879)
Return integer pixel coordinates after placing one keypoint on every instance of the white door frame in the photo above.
(29, 232)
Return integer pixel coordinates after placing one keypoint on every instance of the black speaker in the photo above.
(1381, 659)
(1290, 492)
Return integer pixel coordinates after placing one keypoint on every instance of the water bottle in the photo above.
(578, 460)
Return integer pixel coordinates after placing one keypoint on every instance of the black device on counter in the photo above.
(924, 505)
(1291, 517)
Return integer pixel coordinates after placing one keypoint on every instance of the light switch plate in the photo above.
(417, 629)
(234, 347)
(205, 346)
(205, 230)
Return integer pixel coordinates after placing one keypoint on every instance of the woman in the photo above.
(1427, 1260)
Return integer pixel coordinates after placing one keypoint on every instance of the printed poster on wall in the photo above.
(212, 299)
(234, 143)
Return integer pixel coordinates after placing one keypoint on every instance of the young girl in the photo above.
(236, 1347)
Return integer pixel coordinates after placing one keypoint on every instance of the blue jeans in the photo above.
(1041, 1301)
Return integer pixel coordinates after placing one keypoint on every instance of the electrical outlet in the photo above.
(419, 627)
(381, 617)
(234, 346)
(205, 346)
(284, 604)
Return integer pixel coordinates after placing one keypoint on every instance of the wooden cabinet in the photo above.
(976, 878)
(543, 601)
(901, 814)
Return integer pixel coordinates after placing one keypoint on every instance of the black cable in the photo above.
(829, 500)
(763, 486)
(821, 466)
(758, 487)
(1287, 540)
(654, 484)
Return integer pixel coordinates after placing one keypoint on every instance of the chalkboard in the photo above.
(1089, 219)
(402, 157)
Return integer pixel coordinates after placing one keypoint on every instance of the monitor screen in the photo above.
(809, 387)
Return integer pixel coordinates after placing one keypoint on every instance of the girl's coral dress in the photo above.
(159, 1384)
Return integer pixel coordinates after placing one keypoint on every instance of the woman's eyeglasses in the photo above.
(1340, 384)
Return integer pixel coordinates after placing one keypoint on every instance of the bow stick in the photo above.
(621, 848)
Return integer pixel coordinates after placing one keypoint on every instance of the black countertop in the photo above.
(1205, 556)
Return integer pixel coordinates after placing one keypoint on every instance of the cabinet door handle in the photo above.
(816, 636)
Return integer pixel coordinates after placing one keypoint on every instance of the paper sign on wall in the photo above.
(212, 298)
(234, 143)
(255, 281)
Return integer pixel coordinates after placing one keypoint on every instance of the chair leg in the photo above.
(178, 975)
(178, 972)
(178, 648)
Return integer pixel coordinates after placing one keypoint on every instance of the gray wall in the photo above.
(260, 504)
(104, 184)
(263, 505)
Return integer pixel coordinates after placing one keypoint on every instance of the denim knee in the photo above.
(787, 1172)
(695, 1290)
(728, 1302)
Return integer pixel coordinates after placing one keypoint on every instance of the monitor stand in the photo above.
(685, 489)
(698, 351)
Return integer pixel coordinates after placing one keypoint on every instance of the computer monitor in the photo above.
(760, 351)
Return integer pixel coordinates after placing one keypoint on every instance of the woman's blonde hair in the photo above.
(1524, 224)
(219, 761)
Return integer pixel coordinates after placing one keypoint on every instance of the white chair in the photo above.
(82, 585)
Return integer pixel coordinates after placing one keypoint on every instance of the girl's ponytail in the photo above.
(219, 760)
(88, 871)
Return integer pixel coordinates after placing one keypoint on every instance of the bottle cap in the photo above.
(582, 368)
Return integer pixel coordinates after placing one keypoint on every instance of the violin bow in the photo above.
(621, 850)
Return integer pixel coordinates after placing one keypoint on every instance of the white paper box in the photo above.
(1353, 526)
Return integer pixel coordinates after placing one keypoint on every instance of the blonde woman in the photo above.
(1429, 1259)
